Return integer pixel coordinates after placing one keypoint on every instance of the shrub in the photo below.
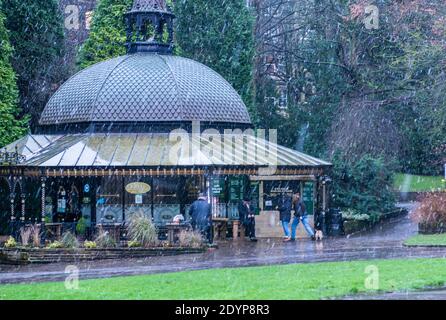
(190, 239)
(365, 186)
(35, 235)
(55, 245)
(351, 214)
(30, 235)
(141, 229)
(10, 243)
(25, 236)
(90, 245)
(104, 240)
(81, 227)
(431, 213)
(69, 240)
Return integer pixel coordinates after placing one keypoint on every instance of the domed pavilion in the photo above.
(147, 132)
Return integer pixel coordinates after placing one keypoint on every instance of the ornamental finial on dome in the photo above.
(141, 5)
(149, 27)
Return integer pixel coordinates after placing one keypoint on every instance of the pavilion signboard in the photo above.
(218, 188)
(236, 184)
(137, 188)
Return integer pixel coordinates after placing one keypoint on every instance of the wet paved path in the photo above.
(384, 242)
(439, 294)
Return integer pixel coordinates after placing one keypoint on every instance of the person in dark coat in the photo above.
(247, 218)
(201, 216)
(300, 214)
(284, 206)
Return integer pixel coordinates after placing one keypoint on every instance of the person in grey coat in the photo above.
(201, 216)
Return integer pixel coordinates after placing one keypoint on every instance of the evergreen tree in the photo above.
(364, 186)
(107, 33)
(37, 36)
(219, 34)
(10, 128)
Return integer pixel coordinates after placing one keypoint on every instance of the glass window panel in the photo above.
(109, 200)
(32, 144)
(138, 196)
(139, 152)
(71, 155)
(156, 150)
(107, 150)
(167, 194)
(53, 161)
(42, 140)
(90, 152)
(122, 154)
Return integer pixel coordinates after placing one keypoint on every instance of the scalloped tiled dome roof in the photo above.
(146, 87)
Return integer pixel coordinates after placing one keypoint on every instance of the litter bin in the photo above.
(335, 222)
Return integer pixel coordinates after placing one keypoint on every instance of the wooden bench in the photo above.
(54, 230)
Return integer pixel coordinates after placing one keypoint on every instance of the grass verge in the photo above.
(427, 240)
(413, 183)
(296, 281)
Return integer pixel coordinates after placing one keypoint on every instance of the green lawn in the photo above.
(413, 183)
(298, 281)
(427, 240)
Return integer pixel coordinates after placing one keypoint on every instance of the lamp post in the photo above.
(325, 180)
(43, 186)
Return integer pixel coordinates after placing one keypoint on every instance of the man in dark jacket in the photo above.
(300, 214)
(247, 218)
(201, 217)
(284, 206)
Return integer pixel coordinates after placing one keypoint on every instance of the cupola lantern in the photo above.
(149, 27)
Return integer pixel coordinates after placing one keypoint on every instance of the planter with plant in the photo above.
(105, 241)
(55, 245)
(134, 244)
(90, 245)
(354, 221)
(190, 239)
(36, 235)
(69, 240)
(10, 243)
(81, 228)
(140, 229)
(25, 236)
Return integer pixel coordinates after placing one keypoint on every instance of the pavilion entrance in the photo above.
(5, 209)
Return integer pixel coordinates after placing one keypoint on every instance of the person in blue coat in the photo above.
(201, 216)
